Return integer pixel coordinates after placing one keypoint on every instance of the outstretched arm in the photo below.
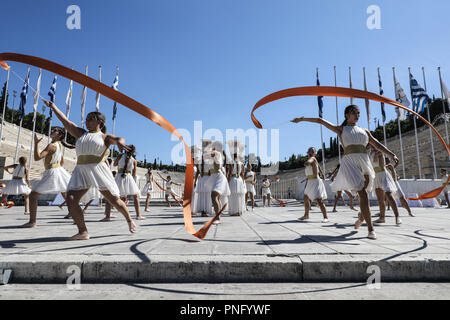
(116, 162)
(134, 174)
(327, 124)
(116, 141)
(381, 148)
(12, 166)
(162, 177)
(71, 127)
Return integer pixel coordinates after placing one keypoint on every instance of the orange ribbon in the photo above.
(178, 201)
(348, 93)
(131, 104)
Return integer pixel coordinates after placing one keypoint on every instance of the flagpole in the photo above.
(429, 120)
(321, 133)
(21, 116)
(337, 114)
(443, 105)
(399, 130)
(83, 100)
(113, 148)
(97, 98)
(68, 103)
(36, 101)
(382, 109)
(415, 127)
(366, 100)
(4, 105)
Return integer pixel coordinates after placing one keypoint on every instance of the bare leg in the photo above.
(381, 203)
(147, 202)
(350, 197)
(264, 201)
(73, 203)
(121, 207)
(446, 199)
(215, 198)
(107, 211)
(246, 200)
(252, 199)
(405, 205)
(87, 205)
(394, 207)
(307, 208)
(33, 210)
(137, 208)
(268, 200)
(323, 209)
(26, 197)
(336, 199)
(167, 201)
(365, 209)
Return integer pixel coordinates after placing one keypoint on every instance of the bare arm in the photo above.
(27, 177)
(381, 148)
(12, 166)
(327, 124)
(71, 127)
(116, 162)
(50, 149)
(162, 177)
(134, 169)
(314, 168)
(62, 161)
(111, 140)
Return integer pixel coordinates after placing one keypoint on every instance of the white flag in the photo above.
(97, 97)
(445, 92)
(69, 98)
(83, 101)
(36, 94)
(400, 96)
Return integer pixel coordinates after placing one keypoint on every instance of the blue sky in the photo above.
(212, 60)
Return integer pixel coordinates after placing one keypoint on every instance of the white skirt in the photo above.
(91, 194)
(384, 181)
(203, 202)
(127, 185)
(236, 201)
(96, 175)
(148, 188)
(16, 187)
(351, 173)
(265, 191)
(399, 194)
(250, 188)
(315, 189)
(217, 182)
(237, 186)
(53, 181)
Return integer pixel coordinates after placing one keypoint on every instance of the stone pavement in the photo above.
(266, 245)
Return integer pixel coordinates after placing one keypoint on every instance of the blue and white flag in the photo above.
(383, 112)
(319, 98)
(51, 94)
(115, 87)
(23, 96)
(419, 96)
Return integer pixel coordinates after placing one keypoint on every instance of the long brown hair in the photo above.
(62, 134)
(129, 154)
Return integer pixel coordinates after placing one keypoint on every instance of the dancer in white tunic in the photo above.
(126, 176)
(148, 188)
(235, 177)
(338, 193)
(399, 194)
(217, 181)
(266, 191)
(384, 186)
(315, 189)
(55, 178)
(20, 183)
(169, 190)
(250, 181)
(204, 202)
(444, 178)
(196, 153)
(356, 172)
(91, 169)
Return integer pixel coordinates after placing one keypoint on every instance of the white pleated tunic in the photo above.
(236, 201)
(383, 179)
(315, 188)
(91, 194)
(249, 182)
(54, 180)
(98, 175)
(127, 185)
(17, 186)
(266, 187)
(148, 188)
(355, 165)
(194, 197)
(217, 182)
(204, 203)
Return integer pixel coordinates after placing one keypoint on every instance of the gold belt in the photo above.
(89, 159)
(266, 187)
(378, 169)
(52, 166)
(124, 171)
(354, 148)
(236, 175)
(17, 178)
(212, 171)
(311, 176)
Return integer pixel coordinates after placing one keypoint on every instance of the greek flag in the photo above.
(51, 94)
(419, 96)
(23, 96)
(383, 112)
(319, 98)
(115, 87)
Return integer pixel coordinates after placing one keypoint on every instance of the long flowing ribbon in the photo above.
(348, 93)
(165, 190)
(131, 104)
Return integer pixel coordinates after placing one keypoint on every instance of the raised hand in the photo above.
(36, 139)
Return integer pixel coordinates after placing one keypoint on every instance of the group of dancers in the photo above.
(219, 181)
